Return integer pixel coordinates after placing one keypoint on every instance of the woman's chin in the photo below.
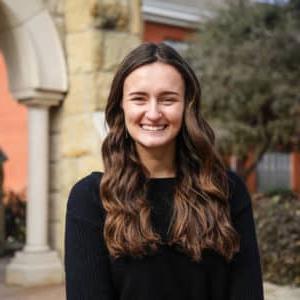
(149, 145)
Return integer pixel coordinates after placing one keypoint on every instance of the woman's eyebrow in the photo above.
(160, 94)
(168, 93)
(137, 93)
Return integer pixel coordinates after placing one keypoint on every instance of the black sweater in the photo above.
(169, 274)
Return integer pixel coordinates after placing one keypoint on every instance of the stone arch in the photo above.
(32, 51)
(37, 76)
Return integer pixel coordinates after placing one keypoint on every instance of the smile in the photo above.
(153, 127)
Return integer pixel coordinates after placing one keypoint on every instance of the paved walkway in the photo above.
(57, 292)
(54, 292)
(275, 292)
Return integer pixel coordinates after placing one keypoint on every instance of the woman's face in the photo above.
(153, 105)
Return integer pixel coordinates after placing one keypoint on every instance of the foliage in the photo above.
(248, 61)
(15, 220)
(282, 192)
(277, 224)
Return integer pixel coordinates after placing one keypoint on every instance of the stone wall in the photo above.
(96, 34)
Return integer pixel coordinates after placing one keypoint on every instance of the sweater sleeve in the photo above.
(245, 268)
(87, 264)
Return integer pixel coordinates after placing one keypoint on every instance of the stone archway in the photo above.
(33, 51)
(96, 35)
(38, 79)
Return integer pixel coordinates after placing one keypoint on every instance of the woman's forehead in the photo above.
(156, 76)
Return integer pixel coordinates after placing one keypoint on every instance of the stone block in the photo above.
(56, 117)
(63, 174)
(56, 239)
(109, 2)
(79, 14)
(78, 136)
(53, 178)
(103, 85)
(88, 92)
(116, 46)
(119, 2)
(112, 16)
(88, 164)
(68, 175)
(123, 2)
(55, 147)
(84, 51)
(136, 21)
(77, 100)
(54, 206)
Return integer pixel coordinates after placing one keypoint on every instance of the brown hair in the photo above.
(201, 218)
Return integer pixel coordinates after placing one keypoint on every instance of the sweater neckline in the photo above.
(150, 179)
(162, 179)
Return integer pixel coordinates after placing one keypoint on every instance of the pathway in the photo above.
(57, 292)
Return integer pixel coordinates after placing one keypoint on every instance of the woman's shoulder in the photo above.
(84, 199)
(239, 197)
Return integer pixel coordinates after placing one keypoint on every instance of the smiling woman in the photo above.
(165, 220)
(153, 105)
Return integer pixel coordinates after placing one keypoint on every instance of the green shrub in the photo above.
(283, 192)
(15, 220)
(278, 230)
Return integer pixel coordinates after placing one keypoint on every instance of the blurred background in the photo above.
(57, 60)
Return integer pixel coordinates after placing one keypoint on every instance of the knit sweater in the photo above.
(169, 274)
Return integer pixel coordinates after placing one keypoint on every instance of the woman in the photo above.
(165, 220)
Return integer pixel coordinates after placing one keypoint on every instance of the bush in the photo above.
(15, 215)
(283, 192)
(278, 230)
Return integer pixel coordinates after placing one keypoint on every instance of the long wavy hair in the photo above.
(200, 218)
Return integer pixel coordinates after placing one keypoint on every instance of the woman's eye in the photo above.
(168, 101)
(138, 100)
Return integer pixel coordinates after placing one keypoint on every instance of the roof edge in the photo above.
(173, 14)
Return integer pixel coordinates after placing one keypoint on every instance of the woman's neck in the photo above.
(160, 162)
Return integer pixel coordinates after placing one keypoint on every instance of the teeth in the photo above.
(153, 128)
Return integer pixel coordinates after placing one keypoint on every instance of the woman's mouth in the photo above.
(153, 127)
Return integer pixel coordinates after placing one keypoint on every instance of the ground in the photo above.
(57, 292)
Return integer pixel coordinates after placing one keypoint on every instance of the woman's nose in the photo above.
(153, 112)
